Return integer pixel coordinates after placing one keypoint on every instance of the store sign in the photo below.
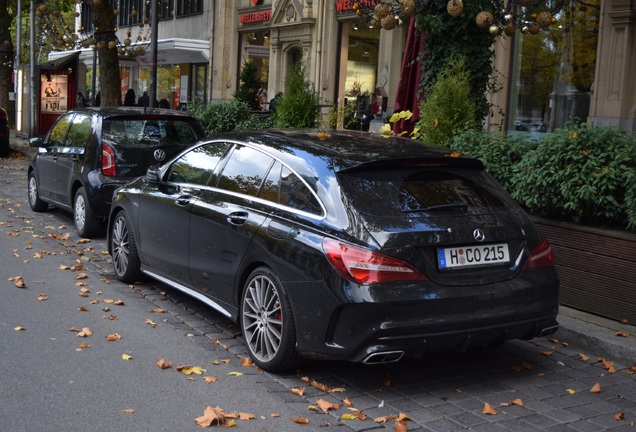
(256, 2)
(255, 17)
(347, 5)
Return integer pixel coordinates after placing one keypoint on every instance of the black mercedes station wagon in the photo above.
(339, 245)
(88, 153)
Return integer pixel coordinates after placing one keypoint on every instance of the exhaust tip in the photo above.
(383, 357)
(549, 330)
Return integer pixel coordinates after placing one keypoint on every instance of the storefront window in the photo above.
(362, 68)
(199, 86)
(553, 72)
(255, 46)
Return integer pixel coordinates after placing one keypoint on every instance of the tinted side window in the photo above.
(145, 133)
(245, 171)
(271, 185)
(294, 193)
(80, 132)
(197, 165)
(58, 133)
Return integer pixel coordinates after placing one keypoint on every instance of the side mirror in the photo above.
(153, 174)
(36, 142)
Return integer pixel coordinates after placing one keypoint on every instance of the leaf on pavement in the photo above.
(596, 388)
(126, 357)
(19, 282)
(246, 361)
(151, 322)
(400, 426)
(346, 402)
(158, 310)
(164, 364)
(189, 370)
(622, 334)
(211, 416)
(326, 405)
(42, 297)
(209, 379)
(128, 411)
(113, 337)
(319, 386)
(81, 276)
(19, 328)
(608, 365)
(353, 416)
(489, 410)
(300, 420)
(86, 332)
(570, 391)
(299, 391)
(583, 357)
(517, 402)
(246, 416)
(236, 374)
(82, 309)
(619, 416)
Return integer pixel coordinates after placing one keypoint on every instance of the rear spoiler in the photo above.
(429, 162)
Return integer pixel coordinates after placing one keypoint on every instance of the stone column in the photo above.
(614, 91)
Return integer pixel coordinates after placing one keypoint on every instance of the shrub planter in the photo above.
(597, 268)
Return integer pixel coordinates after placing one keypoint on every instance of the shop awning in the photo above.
(59, 60)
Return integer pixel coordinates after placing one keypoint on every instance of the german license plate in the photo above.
(472, 256)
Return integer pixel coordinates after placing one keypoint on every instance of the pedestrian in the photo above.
(98, 99)
(144, 100)
(274, 101)
(163, 103)
(81, 101)
(129, 99)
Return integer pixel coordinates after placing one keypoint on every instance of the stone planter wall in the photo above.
(597, 268)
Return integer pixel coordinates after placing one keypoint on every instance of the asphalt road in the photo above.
(54, 286)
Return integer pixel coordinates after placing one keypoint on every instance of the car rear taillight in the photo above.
(367, 267)
(541, 256)
(109, 166)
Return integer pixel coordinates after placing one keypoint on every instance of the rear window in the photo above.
(141, 133)
(396, 192)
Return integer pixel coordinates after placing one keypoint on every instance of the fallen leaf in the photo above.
(189, 370)
(119, 303)
(385, 419)
(158, 310)
(164, 364)
(113, 337)
(246, 416)
(596, 388)
(403, 417)
(546, 353)
(517, 402)
(151, 322)
(319, 386)
(81, 275)
(237, 374)
(42, 297)
(622, 334)
(209, 379)
(82, 309)
(246, 361)
(489, 410)
(583, 357)
(619, 416)
(126, 357)
(570, 391)
(297, 391)
(400, 426)
(128, 410)
(353, 416)
(86, 332)
(19, 328)
(211, 416)
(326, 405)
(300, 420)
(83, 345)
(346, 402)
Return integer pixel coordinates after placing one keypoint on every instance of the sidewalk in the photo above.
(590, 334)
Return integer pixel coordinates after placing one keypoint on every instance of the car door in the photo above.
(164, 211)
(70, 157)
(46, 170)
(225, 220)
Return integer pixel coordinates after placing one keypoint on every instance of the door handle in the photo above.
(237, 218)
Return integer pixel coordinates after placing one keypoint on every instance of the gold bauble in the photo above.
(112, 45)
(127, 41)
(533, 29)
(100, 45)
(133, 13)
(510, 29)
(140, 51)
(388, 22)
(544, 19)
(494, 30)
(116, 12)
(455, 7)
(407, 7)
(375, 23)
(382, 10)
(484, 19)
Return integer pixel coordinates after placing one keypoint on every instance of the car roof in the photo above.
(116, 111)
(350, 149)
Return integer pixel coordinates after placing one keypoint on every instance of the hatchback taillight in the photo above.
(109, 165)
(365, 266)
(541, 256)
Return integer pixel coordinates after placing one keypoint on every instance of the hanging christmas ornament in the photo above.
(544, 19)
(382, 10)
(388, 22)
(509, 30)
(455, 7)
(407, 7)
(484, 19)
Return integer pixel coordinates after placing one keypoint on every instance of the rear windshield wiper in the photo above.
(458, 206)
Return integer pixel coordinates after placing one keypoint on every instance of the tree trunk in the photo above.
(6, 63)
(106, 41)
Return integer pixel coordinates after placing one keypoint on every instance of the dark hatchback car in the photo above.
(88, 153)
(4, 133)
(345, 245)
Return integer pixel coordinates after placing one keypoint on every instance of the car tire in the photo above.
(86, 224)
(267, 322)
(126, 262)
(37, 205)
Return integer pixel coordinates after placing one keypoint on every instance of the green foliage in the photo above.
(578, 174)
(448, 106)
(298, 107)
(339, 113)
(498, 152)
(248, 88)
(447, 37)
(228, 116)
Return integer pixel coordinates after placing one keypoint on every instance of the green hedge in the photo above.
(228, 116)
(579, 173)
